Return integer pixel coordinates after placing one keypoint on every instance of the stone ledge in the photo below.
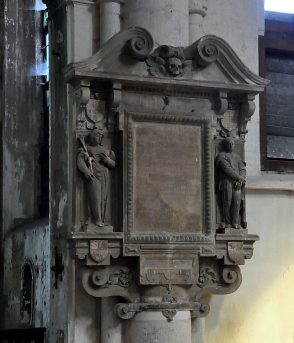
(271, 183)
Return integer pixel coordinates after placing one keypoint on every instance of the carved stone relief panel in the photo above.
(160, 270)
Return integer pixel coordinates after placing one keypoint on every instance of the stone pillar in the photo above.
(198, 330)
(166, 20)
(154, 327)
(110, 19)
(111, 325)
(197, 11)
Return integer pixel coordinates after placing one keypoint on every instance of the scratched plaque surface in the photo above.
(177, 269)
(167, 178)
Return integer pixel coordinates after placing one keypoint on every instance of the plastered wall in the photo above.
(262, 309)
(30, 244)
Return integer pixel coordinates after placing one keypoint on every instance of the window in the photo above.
(44, 156)
(277, 102)
(27, 298)
(284, 6)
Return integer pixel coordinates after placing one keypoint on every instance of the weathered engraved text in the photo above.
(167, 186)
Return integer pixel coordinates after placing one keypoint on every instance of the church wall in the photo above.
(260, 311)
(22, 115)
(28, 245)
(24, 237)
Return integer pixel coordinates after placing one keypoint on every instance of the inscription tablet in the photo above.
(167, 163)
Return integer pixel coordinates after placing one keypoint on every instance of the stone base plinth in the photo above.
(153, 327)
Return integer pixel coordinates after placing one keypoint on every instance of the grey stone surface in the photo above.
(152, 132)
(167, 182)
(153, 327)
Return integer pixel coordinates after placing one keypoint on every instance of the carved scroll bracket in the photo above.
(246, 112)
(82, 93)
(117, 116)
(221, 104)
(110, 281)
(226, 281)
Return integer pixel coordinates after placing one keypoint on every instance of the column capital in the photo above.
(198, 7)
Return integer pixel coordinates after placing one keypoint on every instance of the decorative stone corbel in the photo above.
(213, 280)
(116, 119)
(221, 106)
(221, 103)
(246, 112)
(82, 93)
(110, 281)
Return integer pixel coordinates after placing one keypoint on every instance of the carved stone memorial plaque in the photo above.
(176, 195)
(166, 168)
(176, 269)
(167, 165)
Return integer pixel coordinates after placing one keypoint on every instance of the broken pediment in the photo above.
(210, 60)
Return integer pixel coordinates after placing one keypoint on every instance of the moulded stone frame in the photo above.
(130, 235)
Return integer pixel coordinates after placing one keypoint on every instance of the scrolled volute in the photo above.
(229, 275)
(141, 45)
(124, 312)
(207, 52)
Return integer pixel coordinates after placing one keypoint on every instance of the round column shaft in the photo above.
(111, 325)
(197, 11)
(166, 20)
(110, 22)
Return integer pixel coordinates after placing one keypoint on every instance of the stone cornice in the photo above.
(229, 72)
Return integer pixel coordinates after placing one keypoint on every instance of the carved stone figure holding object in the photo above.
(94, 161)
(231, 186)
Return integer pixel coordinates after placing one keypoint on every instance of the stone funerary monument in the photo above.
(149, 161)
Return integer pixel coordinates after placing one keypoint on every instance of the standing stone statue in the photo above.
(94, 161)
(231, 186)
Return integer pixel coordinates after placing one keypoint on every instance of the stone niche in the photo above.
(158, 186)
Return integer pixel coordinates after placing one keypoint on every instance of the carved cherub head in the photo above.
(96, 136)
(174, 66)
